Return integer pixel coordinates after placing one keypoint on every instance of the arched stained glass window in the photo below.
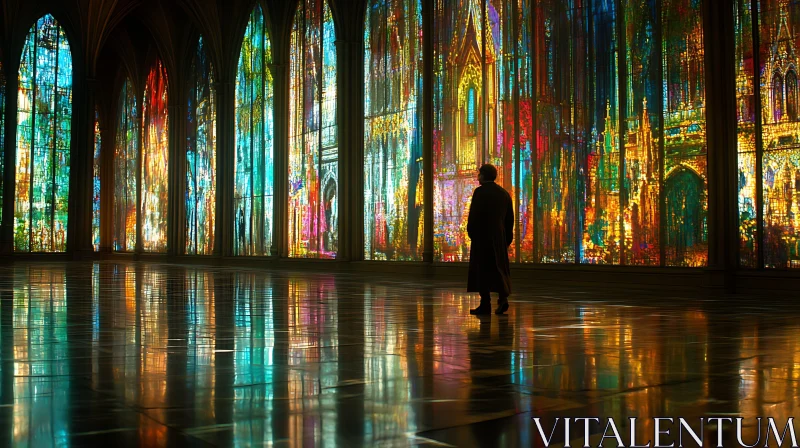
(155, 158)
(393, 192)
(777, 97)
(44, 130)
(254, 182)
(126, 177)
(96, 184)
(313, 135)
(684, 112)
(201, 156)
(791, 95)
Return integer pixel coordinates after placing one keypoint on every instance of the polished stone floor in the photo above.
(127, 354)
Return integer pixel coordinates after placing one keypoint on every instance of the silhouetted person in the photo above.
(491, 229)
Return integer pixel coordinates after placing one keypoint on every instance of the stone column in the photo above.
(280, 138)
(176, 209)
(79, 231)
(723, 244)
(225, 165)
(350, 115)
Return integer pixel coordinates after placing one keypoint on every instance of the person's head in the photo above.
(487, 173)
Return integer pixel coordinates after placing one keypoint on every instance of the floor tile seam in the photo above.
(123, 403)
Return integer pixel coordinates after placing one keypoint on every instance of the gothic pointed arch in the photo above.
(44, 130)
(254, 181)
(155, 160)
(201, 154)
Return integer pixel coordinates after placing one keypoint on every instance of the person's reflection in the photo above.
(489, 353)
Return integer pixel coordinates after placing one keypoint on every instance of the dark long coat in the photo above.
(491, 228)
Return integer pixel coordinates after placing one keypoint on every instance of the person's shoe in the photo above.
(481, 310)
(502, 307)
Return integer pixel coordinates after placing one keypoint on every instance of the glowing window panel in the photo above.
(746, 139)
(779, 33)
(155, 156)
(96, 184)
(126, 156)
(393, 190)
(641, 186)
(474, 110)
(313, 135)
(44, 118)
(602, 233)
(558, 137)
(523, 161)
(201, 155)
(254, 175)
(685, 181)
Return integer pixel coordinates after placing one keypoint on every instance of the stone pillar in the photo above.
(226, 151)
(280, 235)
(723, 244)
(350, 115)
(79, 230)
(176, 214)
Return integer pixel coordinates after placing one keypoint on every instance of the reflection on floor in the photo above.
(128, 354)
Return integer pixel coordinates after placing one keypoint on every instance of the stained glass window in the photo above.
(201, 155)
(254, 182)
(602, 231)
(685, 188)
(313, 135)
(44, 118)
(560, 132)
(393, 191)
(746, 146)
(769, 158)
(96, 184)
(643, 154)
(155, 154)
(474, 111)
(126, 177)
(594, 113)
